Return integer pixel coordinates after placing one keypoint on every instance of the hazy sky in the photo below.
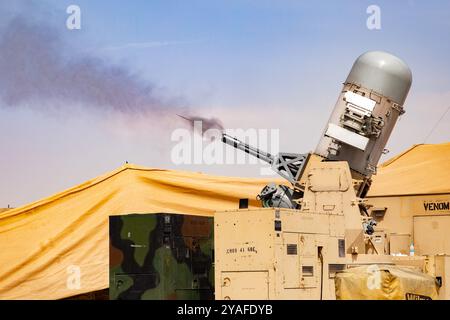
(250, 63)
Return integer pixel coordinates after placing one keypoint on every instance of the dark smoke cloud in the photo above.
(211, 123)
(38, 70)
(34, 69)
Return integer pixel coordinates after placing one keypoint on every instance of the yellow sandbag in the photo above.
(375, 282)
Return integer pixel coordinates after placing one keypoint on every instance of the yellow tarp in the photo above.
(422, 169)
(41, 241)
(375, 282)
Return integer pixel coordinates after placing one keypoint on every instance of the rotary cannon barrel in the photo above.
(234, 142)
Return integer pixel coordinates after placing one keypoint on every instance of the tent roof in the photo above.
(422, 169)
(41, 241)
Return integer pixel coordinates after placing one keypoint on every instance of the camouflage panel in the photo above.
(161, 256)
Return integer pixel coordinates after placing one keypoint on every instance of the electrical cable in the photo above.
(437, 123)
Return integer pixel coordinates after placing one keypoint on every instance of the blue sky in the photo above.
(264, 64)
(257, 40)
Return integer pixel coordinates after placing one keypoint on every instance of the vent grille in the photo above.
(291, 249)
(334, 268)
(308, 271)
(341, 248)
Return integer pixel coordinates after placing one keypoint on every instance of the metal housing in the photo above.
(366, 111)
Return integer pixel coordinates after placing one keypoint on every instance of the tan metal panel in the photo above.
(431, 235)
(327, 179)
(442, 272)
(244, 285)
(399, 243)
(291, 263)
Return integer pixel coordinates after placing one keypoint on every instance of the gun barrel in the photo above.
(264, 156)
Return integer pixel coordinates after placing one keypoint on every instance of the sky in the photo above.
(252, 64)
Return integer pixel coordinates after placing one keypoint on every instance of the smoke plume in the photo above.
(211, 123)
(39, 71)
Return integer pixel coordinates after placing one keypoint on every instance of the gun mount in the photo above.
(287, 165)
(357, 131)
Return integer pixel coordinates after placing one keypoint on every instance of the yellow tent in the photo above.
(422, 169)
(41, 242)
